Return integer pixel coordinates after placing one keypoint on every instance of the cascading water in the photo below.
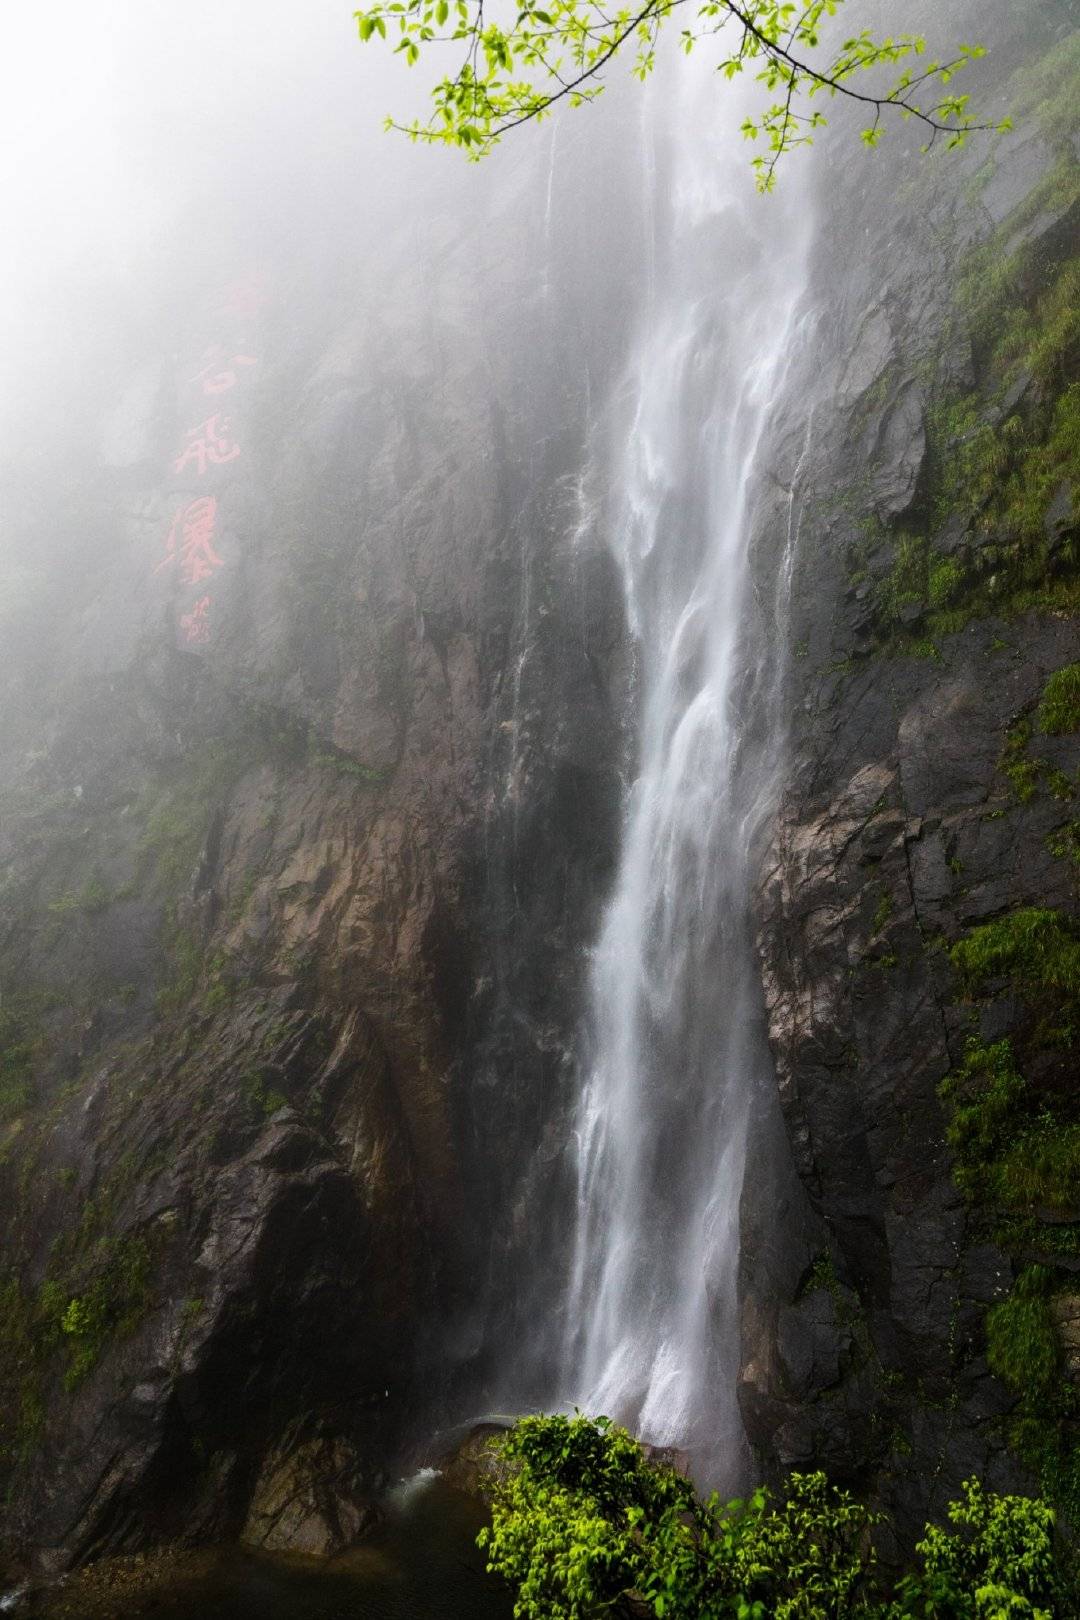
(675, 1032)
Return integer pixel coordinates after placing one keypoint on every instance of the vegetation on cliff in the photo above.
(584, 1523)
(1014, 1128)
(991, 529)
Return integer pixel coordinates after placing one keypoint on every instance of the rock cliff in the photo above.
(917, 915)
(310, 789)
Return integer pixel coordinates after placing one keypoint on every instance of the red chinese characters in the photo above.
(218, 366)
(194, 626)
(208, 445)
(191, 538)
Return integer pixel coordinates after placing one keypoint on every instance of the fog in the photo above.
(149, 155)
(141, 148)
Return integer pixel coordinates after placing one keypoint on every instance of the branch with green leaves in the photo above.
(558, 50)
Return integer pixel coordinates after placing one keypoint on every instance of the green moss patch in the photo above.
(1001, 455)
(23, 1043)
(1059, 711)
(1013, 1151)
(111, 1302)
(1038, 950)
(1014, 1128)
(1024, 1350)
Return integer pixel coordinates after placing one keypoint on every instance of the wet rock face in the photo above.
(284, 882)
(926, 798)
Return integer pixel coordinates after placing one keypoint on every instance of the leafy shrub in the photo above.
(1000, 1567)
(113, 1301)
(583, 1524)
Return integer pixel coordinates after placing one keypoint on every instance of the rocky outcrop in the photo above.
(927, 797)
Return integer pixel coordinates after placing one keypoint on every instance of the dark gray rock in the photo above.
(899, 451)
(896, 832)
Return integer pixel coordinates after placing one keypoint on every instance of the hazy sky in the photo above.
(112, 112)
(137, 137)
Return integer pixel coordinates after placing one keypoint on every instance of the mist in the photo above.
(150, 159)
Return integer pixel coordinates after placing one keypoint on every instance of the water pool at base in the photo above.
(422, 1564)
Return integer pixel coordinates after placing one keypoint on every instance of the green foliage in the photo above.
(1026, 771)
(582, 1522)
(1017, 1147)
(1022, 1345)
(944, 581)
(22, 1044)
(1059, 711)
(582, 1517)
(1027, 1235)
(919, 579)
(1001, 479)
(1023, 1349)
(1045, 89)
(1000, 454)
(78, 1310)
(186, 956)
(1000, 1564)
(1015, 763)
(882, 912)
(985, 1093)
(21, 1409)
(1037, 949)
(1002, 475)
(1064, 844)
(344, 765)
(112, 1302)
(93, 896)
(177, 817)
(1012, 1150)
(260, 1094)
(906, 583)
(509, 75)
(565, 1520)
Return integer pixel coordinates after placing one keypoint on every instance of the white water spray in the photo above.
(676, 1045)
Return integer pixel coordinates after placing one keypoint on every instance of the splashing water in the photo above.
(675, 1030)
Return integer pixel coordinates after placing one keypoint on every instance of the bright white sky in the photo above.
(116, 115)
(109, 111)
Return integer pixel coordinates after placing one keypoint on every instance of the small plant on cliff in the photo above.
(111, 1302)
(1038, 950)
(1059, 711)
(1022, 1345)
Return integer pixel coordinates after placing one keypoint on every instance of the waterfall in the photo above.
(675, 1046)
